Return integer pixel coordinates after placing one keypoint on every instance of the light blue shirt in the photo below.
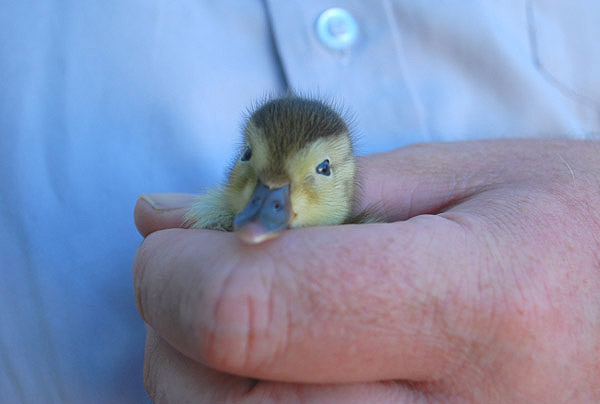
(101, 101)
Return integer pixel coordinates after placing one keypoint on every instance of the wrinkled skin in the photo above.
(484, 287)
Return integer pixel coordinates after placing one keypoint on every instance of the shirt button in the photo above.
(337, 29)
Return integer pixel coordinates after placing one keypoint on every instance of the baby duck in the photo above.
(296, 168)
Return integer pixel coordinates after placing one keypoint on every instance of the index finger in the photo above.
(314, 305)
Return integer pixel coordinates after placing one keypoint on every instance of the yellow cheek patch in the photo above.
(319, 199)
(240, 186)
(243, 178)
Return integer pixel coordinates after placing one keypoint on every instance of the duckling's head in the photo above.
(296, 168)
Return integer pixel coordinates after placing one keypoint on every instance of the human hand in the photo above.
(483, 289)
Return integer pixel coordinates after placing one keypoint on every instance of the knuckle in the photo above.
(141, 262)
(241, 337)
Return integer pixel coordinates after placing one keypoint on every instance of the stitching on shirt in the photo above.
(402, 61)
(535, 59)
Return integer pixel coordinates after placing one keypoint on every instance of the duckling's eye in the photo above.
(247, 154)
(323, 168)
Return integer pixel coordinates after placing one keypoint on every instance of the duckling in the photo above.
(296, 168)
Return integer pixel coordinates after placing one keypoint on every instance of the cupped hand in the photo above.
(483, 287)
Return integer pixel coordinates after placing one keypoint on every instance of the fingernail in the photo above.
(167, 201)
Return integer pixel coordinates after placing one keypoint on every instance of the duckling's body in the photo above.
(296, 169)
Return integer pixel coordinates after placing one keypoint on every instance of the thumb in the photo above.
(430, 178)
(160, 211)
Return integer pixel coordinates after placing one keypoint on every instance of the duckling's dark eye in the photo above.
(247, 154)
(323, 168)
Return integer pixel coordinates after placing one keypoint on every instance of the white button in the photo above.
(337, 29)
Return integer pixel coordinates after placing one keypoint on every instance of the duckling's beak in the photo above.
(265, 215)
